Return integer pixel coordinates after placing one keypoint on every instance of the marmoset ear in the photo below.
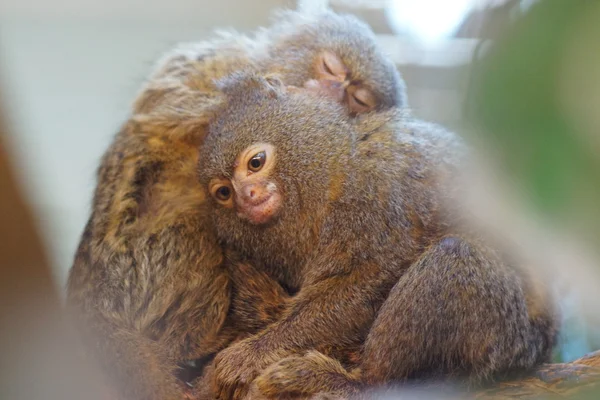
(243, 82)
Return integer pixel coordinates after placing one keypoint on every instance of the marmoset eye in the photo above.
(257, 162)
(223, 193)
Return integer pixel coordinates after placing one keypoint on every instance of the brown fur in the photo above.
(365, 238)
(149, 278)
(150, 283)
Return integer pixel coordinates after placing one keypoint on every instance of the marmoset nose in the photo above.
(255, 194)
(331, 88)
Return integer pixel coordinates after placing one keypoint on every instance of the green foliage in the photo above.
(516, 99)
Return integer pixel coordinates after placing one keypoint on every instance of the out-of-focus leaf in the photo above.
(516, 100)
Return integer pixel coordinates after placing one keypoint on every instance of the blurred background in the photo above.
(523, 75)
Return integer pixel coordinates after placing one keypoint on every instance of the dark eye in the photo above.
(223, 193)
(257, 162)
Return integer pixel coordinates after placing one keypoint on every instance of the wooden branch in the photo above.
(550, 381)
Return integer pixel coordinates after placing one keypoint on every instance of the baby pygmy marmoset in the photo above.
(354, 220)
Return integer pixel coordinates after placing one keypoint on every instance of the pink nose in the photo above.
(254, 194)
(327, 87)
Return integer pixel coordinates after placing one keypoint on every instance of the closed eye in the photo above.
(327, 69)
(360, 102)
(361, 99)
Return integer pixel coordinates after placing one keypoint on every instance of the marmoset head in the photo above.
(337, 55)
(272, 159)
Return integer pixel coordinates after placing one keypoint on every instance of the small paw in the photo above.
(235, 369)
(313, 375)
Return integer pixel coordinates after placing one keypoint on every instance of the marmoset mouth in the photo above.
(262, 211)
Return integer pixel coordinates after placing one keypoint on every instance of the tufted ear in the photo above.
(277, 86)
(242, 84)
